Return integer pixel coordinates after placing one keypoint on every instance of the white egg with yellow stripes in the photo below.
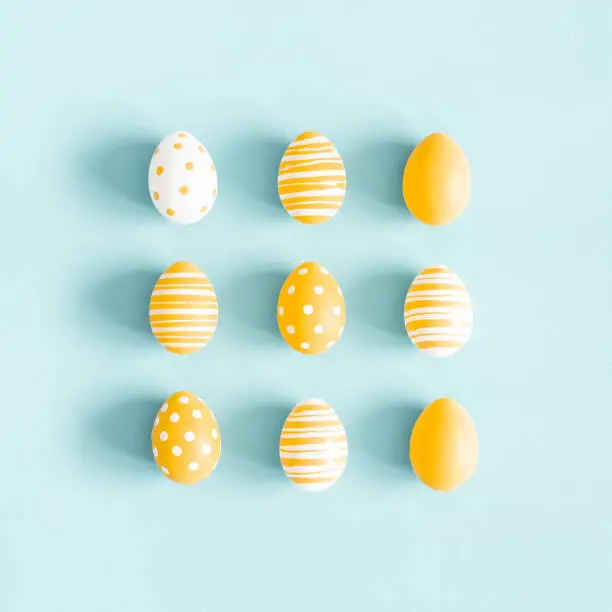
(311, 179)
(313, 446)
(182, 179)
(438, 313)
(183, 311)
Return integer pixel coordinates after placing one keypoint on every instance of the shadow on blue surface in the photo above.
(377, 175)
(249, 168)
(387, 430)
(378, 302)
(251, 439)
(250, 301)
(118, 436)
(122, 302)
(120, 166)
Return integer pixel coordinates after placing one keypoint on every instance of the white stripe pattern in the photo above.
(437, 312)
(183, 315)
(311, 175)
(313, 448)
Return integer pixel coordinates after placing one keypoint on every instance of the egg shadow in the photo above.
(251, 440)
(120, 166)
(250, 301)
(387, 430)
(378, 173)
(117, 437)
(378, 303)
(250, 167)
(121, 302)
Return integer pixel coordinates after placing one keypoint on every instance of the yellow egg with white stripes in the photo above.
(311, 179)
(183, 311)
(313, 446)
(438, 313)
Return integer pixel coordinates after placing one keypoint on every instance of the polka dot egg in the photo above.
(186, 439)
(313, 446)
(182, 179)
(183, 311)
(311, 179)
(311, 312)
(437, 312)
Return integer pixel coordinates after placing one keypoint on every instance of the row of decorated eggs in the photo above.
(313, 448)
(311, 312)
(311, 179)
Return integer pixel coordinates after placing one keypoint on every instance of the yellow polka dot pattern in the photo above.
(311, 179)
(183, 311)
(182, 179)
(437, 313)
(311, 311)
(313, 446)
(186, 439)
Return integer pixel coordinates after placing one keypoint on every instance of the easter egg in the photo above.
(186, 439)
(182, 179)
(444, 445)
(311, 179)
(437, 313)
(183, 311)
(311, 310)
(437, 180)
(313, 446)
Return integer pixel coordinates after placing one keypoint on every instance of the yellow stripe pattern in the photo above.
(313, 446)
(437, 313)
(183, 311)
(311, 179)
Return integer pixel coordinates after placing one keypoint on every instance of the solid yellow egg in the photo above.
(186, 439)
(311, 311)
(436, 182)
(444, 445)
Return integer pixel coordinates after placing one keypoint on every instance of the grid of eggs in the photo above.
(311, 313)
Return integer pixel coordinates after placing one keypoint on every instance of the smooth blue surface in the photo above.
(88, 90)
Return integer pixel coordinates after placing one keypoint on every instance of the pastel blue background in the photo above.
(88, 90)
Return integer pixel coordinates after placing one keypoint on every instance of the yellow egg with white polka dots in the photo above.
(182, 179)
(311, 311)
(186, 439)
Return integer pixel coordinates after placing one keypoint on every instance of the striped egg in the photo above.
(311, 179)
(183, 311)
(182, 179)
(313, 446)
(437, 313)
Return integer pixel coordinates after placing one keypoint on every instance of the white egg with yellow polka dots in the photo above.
(182, 179)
